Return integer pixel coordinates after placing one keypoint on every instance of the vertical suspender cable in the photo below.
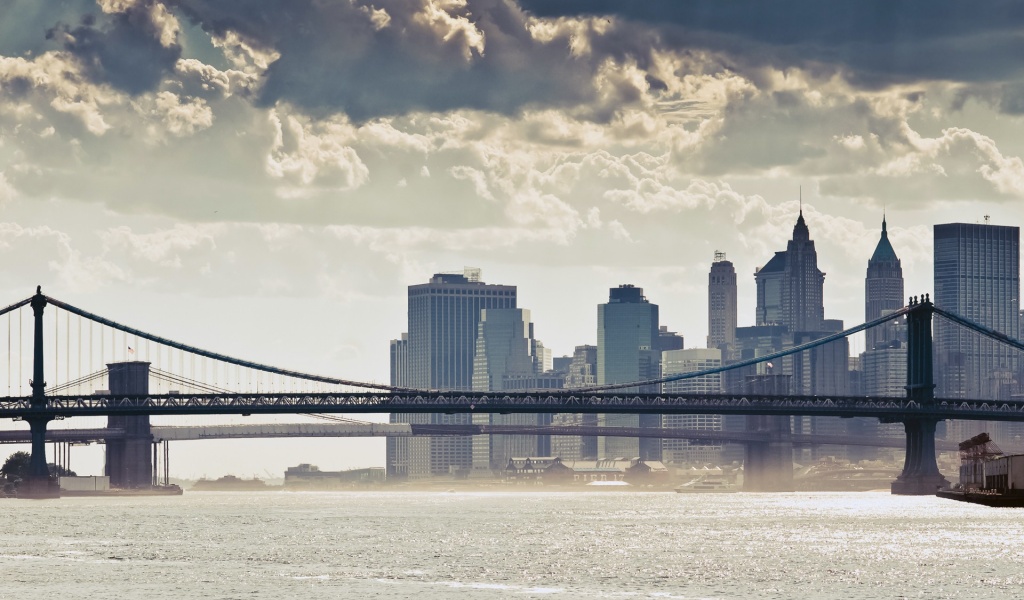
(20, 353)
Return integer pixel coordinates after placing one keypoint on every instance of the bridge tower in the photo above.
(920, 474)
(129, 460)
(38, 484)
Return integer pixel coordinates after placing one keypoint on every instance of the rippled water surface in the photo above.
(510, 545)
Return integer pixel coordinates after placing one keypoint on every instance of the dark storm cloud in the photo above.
(333, 56)
(122, 49)
(874, 42)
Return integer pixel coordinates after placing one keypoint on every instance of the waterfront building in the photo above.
(977, 276)
(676, 362)
(722, 306)
(443, 321)
(627, 350)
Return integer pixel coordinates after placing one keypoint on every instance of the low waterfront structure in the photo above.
(307, 476)
(552, 470)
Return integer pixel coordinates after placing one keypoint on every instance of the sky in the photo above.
(265, 179)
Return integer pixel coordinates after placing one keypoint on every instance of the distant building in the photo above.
(722, 306)
(443, 318)
(790, 295)
(669, 340)
(677, 362)
(977, 276)
(790, 286)
(310, 477)
(627, 350)
(504, 359)
(883, 291)
(582, 372)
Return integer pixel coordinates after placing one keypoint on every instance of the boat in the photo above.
(706, 486)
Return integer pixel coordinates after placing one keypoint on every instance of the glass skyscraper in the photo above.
(627, 350)
(443, 319)
(977, 276)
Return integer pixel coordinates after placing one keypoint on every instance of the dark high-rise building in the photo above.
(790, 286)
(627, 350)
(977, 276)
(722, 306)
(883, 291)
(443, 319)
(790, 294)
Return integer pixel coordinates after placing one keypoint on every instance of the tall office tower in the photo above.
(722, 306)
(504, 355)
(884, 360)
(443, 318)
(582, 372)
(627, 342)
(675, 362)
(883, 291)
(977, 276)
(790, 286)
(397, 448)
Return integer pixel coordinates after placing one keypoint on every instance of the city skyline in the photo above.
(259, 183)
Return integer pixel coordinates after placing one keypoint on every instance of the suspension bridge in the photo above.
(148, 375)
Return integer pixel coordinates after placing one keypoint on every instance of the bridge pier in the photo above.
(920, 474)
(129, 459)
(38, 484)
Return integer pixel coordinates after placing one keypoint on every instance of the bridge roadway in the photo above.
(556, 401)
(210, 432)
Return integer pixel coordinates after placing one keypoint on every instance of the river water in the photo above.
(509, 545)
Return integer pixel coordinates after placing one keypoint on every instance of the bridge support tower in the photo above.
(130, 459)
(38, 484)
(920, 474)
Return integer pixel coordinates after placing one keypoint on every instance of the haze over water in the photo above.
(510, 545)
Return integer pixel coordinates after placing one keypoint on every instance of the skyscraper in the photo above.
(883, 291)
(722, 306)
(790, 294)
(627, 350)
(977, 276)
(884, 360)
(790, 286)
(443, 318)
(582, 373)
(504, 355)
(675, 362)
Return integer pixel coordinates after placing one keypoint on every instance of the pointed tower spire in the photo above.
(800, 231)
